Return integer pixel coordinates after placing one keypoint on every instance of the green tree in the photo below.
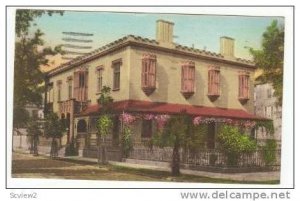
(30, 54)
(34, 131)
(175, 135)
(104, 123)
(54, 128)
(270, 58)
(234, 143)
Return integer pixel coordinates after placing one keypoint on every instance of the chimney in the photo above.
(227, 46)
(164, 32)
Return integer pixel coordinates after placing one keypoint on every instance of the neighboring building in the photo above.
(265, 104)
(151, 77)
(35, 111)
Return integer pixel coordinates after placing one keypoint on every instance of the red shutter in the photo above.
(148, 71)
(210, 82)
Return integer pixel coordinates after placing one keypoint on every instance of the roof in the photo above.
(171, 108)
(149, 43)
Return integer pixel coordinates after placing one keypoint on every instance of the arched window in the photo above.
(81, 126)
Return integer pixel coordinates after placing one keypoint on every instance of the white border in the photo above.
(287, 129)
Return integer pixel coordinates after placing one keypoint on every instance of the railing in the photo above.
(209, 158)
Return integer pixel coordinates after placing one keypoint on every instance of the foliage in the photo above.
(20, 117)
(54, 127)
(267, 124)
(105, 122)
(174, 135)
(105, 99)
(127, 144)
(231, 140)
(269, 151)
(270, 58)
(30, 54)
(24, 18)
(34, 131)
(126, 118)
(233, 143)
(104, 125)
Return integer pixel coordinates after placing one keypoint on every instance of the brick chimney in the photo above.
(227, 46)
(164, 32)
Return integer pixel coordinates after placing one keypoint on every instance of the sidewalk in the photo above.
(253, 176)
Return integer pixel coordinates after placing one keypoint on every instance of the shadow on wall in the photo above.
(162, 85)
(225, 92)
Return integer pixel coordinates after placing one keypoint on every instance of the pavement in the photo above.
(253, 176)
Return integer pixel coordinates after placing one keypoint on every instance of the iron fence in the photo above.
(212, 158)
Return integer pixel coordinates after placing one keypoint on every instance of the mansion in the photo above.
(154, 77)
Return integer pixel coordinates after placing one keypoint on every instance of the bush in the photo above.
(269, 151)
(234, 143)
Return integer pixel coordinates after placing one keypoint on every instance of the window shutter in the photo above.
(148, 80)
(214, 81)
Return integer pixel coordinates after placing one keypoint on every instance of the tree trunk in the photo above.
(53, 152)
(35, 145)
(176, 160)
(103, 152)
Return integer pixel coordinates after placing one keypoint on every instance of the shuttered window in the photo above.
(148, 71)
(81, 85)
(188, 78)
(214, 81)
(243, 85)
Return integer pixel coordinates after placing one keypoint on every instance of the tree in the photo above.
(104, 123)
(34, 131)
(54, 128)
(270, 58)
(175, 135)
(30, 54)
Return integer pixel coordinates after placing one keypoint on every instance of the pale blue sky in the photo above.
(198, 30)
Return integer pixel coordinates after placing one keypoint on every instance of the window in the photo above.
(244, 86)
(187, 78)
(99, 72)
(148, 73)
(70, 87)
(50, 97)
(214, 81)
(81, 79)
(146, 129)
(81, 126)
(117, 73)
(59, 83)
(81, 84)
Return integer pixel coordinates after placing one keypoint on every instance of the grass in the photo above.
(27, 166)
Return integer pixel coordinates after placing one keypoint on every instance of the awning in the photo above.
(136, 106)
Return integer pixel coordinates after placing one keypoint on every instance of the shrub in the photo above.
(269, 151)
(234, 143)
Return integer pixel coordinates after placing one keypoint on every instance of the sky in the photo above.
(200, 31)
